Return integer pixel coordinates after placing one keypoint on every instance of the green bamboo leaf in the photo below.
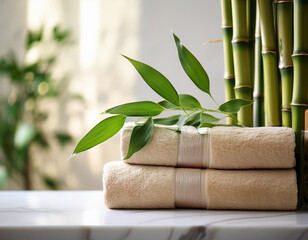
(181, 123)
(192, 67)
(208, 118)
(193, 120)
(168, 105)
(157, 81)
(167, 120)
(100, 133)
(188, 101)
(140, 137)
(234, 105)
(137, 109)
(208, 125)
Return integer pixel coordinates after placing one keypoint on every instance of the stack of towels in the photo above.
(210, 168)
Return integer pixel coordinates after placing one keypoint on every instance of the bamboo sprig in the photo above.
(240, 44)
(227, 30)
(258, 94)
(193, 114)
(285, 45)
(270, 66)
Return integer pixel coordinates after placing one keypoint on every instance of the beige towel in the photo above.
(221, 148)
(136, 186)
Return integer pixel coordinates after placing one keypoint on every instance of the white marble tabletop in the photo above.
(82, 215)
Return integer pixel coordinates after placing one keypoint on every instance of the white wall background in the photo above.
(103, 29)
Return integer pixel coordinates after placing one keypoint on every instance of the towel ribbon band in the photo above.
(194, 148)
(190, 188)
(194, 152)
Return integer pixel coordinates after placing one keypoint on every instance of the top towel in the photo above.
(217, 147)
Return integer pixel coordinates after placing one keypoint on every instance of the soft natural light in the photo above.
(89, 31)
(35, 14)
(43, 13)
(96, 71)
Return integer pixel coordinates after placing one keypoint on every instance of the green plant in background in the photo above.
(192, 113)
(20, 116)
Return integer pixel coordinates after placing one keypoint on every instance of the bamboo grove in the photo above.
(266, 59)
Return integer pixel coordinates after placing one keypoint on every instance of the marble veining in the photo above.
(83, 215)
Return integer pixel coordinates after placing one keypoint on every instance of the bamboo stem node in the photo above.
(286, 109)
(229, 26)
(258, 95)
(300, 54)
(284, 67)
(242, 86)
(268, 52)
(240, 40)
(283, 1)
(226, 76)
(299, 104)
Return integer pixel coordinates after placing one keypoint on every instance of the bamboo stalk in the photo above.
(227, 30)
(285, 45)
(258, 79)
(300, 60)
(240, 44)
(270, 68)
(300, 91)
(251, 28)
(306, 121)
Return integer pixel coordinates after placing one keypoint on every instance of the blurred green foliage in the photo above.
(20, 116)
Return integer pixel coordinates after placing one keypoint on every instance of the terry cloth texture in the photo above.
(230, 147)
(135, 186)
(252, 189)
(162, 149)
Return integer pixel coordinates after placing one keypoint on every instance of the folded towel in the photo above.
(218, 147)
(136, 186)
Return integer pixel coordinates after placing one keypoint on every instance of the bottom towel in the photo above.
(135, 186)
